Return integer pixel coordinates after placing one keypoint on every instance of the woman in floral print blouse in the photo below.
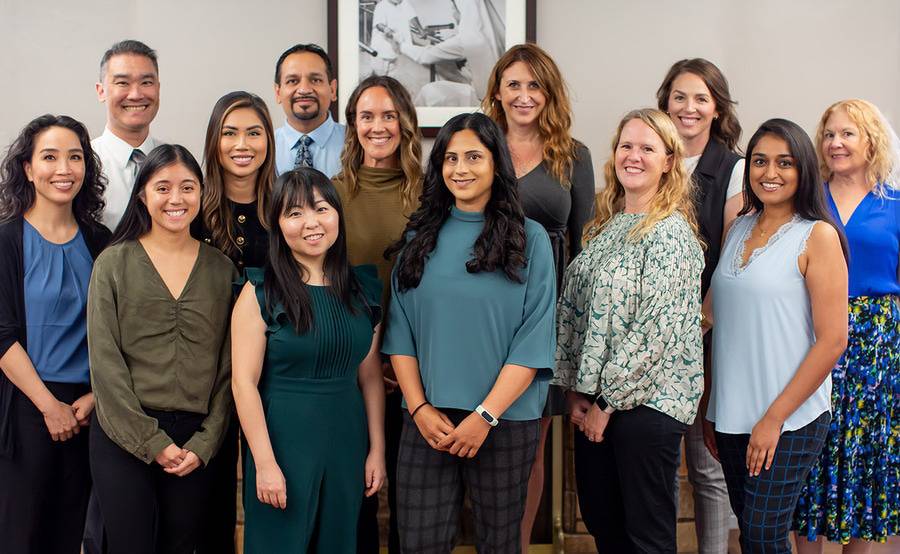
(629, 346)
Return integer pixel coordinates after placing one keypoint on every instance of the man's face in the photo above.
(130, 90)
(304, 92)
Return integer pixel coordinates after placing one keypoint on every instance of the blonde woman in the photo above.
(527, 97)
(379, 184)
(629, 338)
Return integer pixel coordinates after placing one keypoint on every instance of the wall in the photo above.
(782, 58)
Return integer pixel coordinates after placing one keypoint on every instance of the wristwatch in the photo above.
(492, 421)
(603, 404)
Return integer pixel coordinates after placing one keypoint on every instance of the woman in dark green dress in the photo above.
(307, 378)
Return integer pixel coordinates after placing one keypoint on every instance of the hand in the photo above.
(271, 487)
(376, 472)
(709, 438)
(170, 456)
(190, 462)
(763, 441)
(60, 420)
(83, 408)
(595, 423)
(578, 407)
(433, 425)
(467, 438)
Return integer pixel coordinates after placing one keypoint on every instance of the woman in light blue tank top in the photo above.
(779, 304)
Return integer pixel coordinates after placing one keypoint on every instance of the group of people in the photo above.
(361, 321)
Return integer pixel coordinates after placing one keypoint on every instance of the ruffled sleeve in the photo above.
(372, 289)
(256, 277)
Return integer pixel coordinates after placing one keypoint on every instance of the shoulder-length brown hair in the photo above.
(554, 121)
(216, 212)
(410, 149)
(726, 128)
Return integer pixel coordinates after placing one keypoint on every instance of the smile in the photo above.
(770, 187)
(689, 121)
(634, 170)
(314, 237)
(63, 185)
(379, 141)
(135, 108)
(242, 160)
(175, 213)
(462, 182)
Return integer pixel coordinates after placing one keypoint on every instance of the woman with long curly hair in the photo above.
(51, 201)
(471, 339)
(629, 337)
(379, 183)
(852, 495)
(527, 97)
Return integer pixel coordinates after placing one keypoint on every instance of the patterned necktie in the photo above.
(138, 157)
(304, 154)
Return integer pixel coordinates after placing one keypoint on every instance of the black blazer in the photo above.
(12, 307)
(711, 186)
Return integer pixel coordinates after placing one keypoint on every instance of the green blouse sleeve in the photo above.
(652, 347)
(398, 338)
(118, 408)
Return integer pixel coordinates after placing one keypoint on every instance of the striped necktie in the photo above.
(304, 154)
(138, 157)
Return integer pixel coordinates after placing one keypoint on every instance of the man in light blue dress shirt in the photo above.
(305, 87)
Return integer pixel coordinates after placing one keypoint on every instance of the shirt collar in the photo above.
(320, 134)
(121, 150)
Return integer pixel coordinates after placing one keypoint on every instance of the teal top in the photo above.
(464, 327)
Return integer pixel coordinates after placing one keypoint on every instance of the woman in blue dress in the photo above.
(852, 494)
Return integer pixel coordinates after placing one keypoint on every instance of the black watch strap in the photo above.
(600, 402)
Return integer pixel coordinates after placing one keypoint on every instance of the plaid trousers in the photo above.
(764, 505)
(431, 483)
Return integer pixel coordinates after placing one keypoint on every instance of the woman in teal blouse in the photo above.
(471, 337)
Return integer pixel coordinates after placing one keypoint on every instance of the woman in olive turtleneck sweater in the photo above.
(379, 183)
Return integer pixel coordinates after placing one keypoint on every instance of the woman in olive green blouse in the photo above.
(158, 312)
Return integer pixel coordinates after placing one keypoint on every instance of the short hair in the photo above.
(298, 48)
(128, 46)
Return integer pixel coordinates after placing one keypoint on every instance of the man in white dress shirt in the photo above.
(129, 86)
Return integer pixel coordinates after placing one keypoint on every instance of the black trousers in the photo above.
(626, 484)
(368, 541)
(431, 484)
(44, 487)
(146, 510)
(220, 517)
(764, 505)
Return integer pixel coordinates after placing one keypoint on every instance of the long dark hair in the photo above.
(809, 201)
(726, 128)
(136, 222)
(17, 192)
(216, 213)
(501, 244)
(284, 276)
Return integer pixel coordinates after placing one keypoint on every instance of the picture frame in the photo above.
(444, 57)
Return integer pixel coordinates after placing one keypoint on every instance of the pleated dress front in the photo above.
(316, 421)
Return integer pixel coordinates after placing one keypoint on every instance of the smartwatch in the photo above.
(603, 404)
(492, 421)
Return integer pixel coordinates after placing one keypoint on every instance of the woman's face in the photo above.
(378, 128)
(691, 107)
(773, 171)
(640, 158)
(172, 197)
(242, 144)
(309, 231)
(468, 171)
(57, 166)
(521, 96)
(843, 147)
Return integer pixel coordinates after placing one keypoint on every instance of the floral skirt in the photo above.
(853, 491)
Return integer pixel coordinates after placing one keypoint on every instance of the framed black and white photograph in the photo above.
(442, 51)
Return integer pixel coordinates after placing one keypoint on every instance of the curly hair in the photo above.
(216, 211)
(501, 244)
(17, 192)
(410, 150)
(726, 127)
(673, 194)
(554, 121)
(878, 136)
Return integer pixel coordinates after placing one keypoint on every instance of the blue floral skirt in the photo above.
(853, 491)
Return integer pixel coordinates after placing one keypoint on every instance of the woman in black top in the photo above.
(527, 98)
(695, 95)
(51, 198)
(239, 158)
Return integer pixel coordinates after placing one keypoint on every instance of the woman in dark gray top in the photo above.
(527, 97)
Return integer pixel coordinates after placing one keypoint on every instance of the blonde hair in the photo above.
(674, 192)
(554, 121)
(880, 142)
(410, 150)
